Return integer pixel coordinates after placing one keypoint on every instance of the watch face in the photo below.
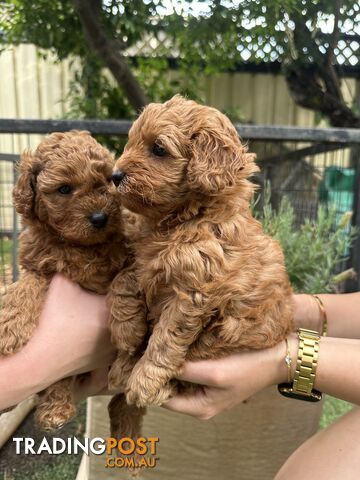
(286, 389)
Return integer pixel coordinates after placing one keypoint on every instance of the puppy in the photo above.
(73, 224)
(213, 282)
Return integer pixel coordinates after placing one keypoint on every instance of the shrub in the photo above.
(314, 251)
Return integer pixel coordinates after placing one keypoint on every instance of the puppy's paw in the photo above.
(51, 417)
(148, 385)
(11, 339)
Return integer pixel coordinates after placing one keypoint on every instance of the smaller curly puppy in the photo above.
(214, 283)
(73, 224)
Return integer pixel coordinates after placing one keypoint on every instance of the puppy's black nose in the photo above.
(98, 219)
(117, 177)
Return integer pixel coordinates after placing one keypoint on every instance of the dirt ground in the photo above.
(27, 467)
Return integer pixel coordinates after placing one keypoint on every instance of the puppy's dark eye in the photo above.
(65, 189)
(158, 150)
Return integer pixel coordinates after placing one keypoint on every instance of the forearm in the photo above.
(33, 368)
(72, 337)
(342, 313)
(338, 367)
(20, 377)
(338, 364)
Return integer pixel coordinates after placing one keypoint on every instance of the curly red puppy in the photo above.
(73, 224)
(213, 281)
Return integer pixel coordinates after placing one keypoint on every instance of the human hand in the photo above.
(230, 380)
(72, 337)
(74, 328)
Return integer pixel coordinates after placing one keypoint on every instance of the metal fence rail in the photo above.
(296, 160)
(247, 131)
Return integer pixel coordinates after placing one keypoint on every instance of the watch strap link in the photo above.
(302, 387)
(307, 362)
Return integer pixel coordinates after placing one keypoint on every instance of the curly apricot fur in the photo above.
(213, 282)
(58, 237)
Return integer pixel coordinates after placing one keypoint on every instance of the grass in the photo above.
(333, 409)
(65, 469)
(61, 469)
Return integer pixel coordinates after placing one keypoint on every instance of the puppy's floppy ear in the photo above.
(217, 161)
(25, 187)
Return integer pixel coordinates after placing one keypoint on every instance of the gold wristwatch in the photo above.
(302, 387)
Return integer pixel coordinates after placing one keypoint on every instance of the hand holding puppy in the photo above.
(72, 337)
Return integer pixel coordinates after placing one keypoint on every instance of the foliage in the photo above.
(93, 93)
(208, 30)
(54, 25)
(312, 251)
(207, 36)
(265, 27)
(5, 254)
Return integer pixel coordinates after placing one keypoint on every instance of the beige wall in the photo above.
(263, 98)
(34, 87)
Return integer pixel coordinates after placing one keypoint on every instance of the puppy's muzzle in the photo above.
(117, 177)
(98, 219)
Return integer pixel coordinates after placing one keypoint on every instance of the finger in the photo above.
(202, 372)
(194, 404)
(91, 384)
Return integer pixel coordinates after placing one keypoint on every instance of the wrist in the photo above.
(307, 312)
(301, 386)
(279, 353)
(19, 378)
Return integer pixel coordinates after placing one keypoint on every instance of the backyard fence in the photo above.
(310, 166)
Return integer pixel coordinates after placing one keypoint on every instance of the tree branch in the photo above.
(109, 51)
(316, 85)
(307, 89)
(335, 34)
(334, 83)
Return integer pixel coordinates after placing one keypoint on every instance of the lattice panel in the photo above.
(268, 51)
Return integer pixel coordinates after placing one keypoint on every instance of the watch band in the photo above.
(302, 387)
(306, 364)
